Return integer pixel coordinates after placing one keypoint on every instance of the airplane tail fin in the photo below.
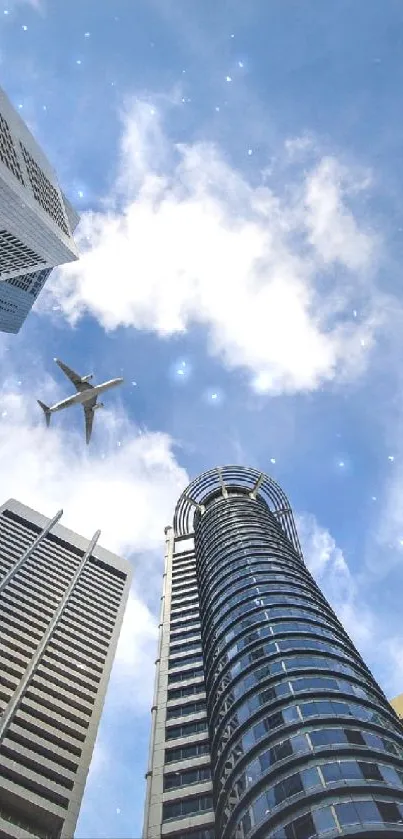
(46, 411)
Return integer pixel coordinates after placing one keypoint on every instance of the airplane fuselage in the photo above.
(84, 396)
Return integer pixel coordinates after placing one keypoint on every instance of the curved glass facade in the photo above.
(303, 741)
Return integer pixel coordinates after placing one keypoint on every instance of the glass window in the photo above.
(354, 737)
(327, 736)
(248, 740)
(302, 828)
(310, 778)
(246, 823)
(299, 743)
(374, 741)
(308, 709)
(391, 776)
(186, 777)
(194, 750)
(314, 682)
(390, 747)
(283, 750)
(185, 710)
(260, 729)
(260, 808)
(347, 814)
(288, 714)
(252, 772)
(184, 675)
(188, 690)
(324, 820)
(290, 786)
(350, 770)
(370, 771)
(171, 810)
(368, 811)
(331, 772)
(265, 760)
(324, 707)
(340, 708)
(184, 730)
(390, 812)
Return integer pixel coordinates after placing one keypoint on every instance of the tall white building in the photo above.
(36, 220)
(62, 600)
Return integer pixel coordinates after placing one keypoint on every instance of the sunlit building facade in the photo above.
(62, 600)
(266, 722)
(36, 219)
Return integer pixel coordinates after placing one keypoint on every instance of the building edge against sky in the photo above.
(266, 722)
(62, 601)
(37, 221)
(397, 704)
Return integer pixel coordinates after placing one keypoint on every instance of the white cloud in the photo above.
(384, 551)
(380, 647)
(134, 666)
(326, 562)
(128, 491)
(185, 239)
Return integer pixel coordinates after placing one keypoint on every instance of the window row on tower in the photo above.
(305, 744)
(287, 690)
(366, 813)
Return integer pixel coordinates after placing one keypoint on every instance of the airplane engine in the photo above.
(99, 405)
(87, 378)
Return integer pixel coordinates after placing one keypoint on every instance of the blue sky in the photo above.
(238, 170)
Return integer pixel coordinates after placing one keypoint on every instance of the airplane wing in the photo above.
(74, 377)
(89, 418)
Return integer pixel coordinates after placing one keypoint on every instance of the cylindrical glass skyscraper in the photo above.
(303, 743)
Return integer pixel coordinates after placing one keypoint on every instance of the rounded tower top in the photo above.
(229, 479)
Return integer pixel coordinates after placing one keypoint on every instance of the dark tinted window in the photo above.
(370, 771)
(185, 777)
(188, 690)
(186, 752)
(183, 675)
(390, 812)
(283, 750)
(185, 729)
(302, 828)
(187, 659)
(354, 737)
(185, 710)
(291, 786)
(176, 809)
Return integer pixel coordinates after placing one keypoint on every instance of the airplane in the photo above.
(86, 396)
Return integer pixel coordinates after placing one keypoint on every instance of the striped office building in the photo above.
(62, 600)
(37, 221)
(266, 722)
